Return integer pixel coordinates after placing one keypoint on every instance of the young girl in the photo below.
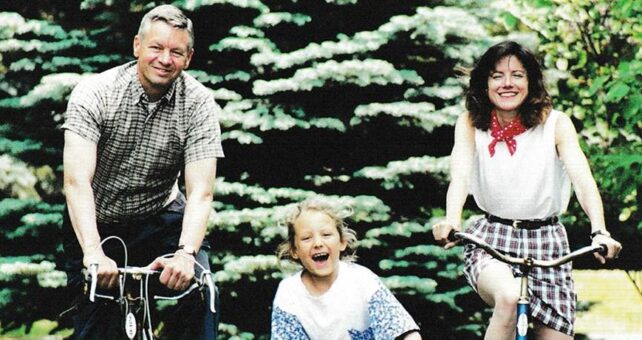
(332, 298)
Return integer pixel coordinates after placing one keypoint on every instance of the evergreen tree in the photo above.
(352, 99)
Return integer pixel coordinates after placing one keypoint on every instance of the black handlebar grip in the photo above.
(451, 235)
(603, 250)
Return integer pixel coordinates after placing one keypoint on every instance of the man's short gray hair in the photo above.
(171, 16)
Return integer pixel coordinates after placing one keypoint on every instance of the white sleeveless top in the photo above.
(530, 184)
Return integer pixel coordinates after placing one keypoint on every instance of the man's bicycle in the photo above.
(525, 265)
(134, 299)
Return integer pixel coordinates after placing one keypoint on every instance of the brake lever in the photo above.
(210, 285)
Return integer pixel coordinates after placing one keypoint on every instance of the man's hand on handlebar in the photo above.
(177, 272)
(440, 232)
(106, 268)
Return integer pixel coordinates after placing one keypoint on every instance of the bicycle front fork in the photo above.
(522, 320)
(521, 332)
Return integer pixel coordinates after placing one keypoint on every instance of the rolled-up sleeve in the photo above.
(203, 138)
(83, 111)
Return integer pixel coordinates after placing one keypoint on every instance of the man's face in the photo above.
(163, 52)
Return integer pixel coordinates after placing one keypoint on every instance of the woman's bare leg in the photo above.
(499, 289)
(545, 333)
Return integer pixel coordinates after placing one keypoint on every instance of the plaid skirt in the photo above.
(552, 297)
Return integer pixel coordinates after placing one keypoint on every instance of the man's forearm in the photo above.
(79, 161)
(197, 212)
(199, 184)
(82, 212)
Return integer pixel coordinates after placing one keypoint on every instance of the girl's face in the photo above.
(508, 84)
(318, 244)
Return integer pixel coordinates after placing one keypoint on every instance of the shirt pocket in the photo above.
(166, 157)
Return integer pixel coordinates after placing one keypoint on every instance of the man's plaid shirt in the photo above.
(140, 153)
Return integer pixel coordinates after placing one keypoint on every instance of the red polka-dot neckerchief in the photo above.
(506, 133)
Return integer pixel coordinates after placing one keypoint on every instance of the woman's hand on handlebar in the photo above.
(106, 268)
(612, 245)
(177, 272)
(440, 232)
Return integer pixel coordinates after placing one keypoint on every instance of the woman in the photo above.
(518, 158)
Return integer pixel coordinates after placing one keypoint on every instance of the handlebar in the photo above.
(204, 280)
(530, 262)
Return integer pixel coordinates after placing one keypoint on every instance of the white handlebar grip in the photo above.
(93, 274)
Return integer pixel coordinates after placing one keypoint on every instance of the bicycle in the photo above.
(525, 264)
(132, 303)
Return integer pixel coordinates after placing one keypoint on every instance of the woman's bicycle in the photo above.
(134, 302)
(525, 265)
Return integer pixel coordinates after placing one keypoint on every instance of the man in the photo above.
(129, 133)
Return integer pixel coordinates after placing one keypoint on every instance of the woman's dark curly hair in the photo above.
(535, 107)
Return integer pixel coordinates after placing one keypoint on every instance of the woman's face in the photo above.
(508, 84)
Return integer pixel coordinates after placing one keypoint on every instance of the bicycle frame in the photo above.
(525, 264)
(142, 274)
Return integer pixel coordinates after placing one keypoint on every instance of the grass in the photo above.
(616, 305)
(41, 330)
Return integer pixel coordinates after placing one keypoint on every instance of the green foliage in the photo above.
(54, 87)
(300, 117)
(228, 331)
(273, 19)
(16, 269)
(598, 46)
(392, 173)
(40, 329)
(16, 179)
(351, 99)
(250, 266)
(247, 114)
(359, 72)
(411, 285)
(196, 4)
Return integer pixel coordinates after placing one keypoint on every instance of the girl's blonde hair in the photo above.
(337, 213)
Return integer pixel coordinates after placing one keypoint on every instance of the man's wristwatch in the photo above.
(600, 232)
(189, 250)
